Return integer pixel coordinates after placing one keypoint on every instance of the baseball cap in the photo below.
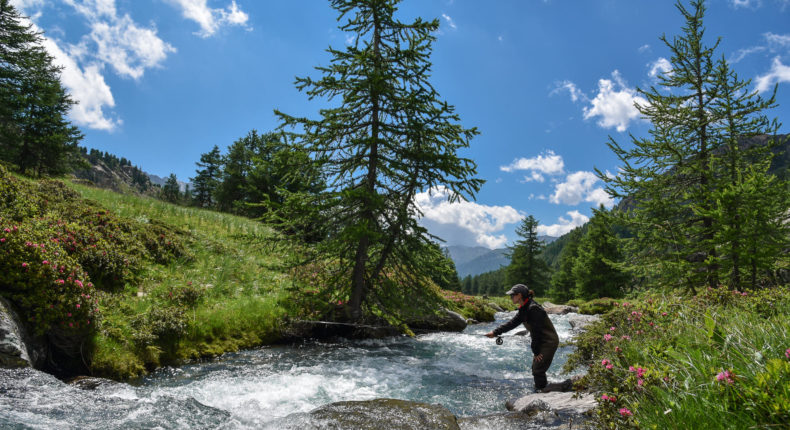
(518, 288)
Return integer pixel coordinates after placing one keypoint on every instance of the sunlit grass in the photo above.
(238, 268)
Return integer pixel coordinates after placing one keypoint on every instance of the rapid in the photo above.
(266, 387)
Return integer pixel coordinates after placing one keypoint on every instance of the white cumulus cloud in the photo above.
(547, 163)
(660, 66)
(564, 225)
(464, 222)
(578, 187)
(779, 73)
(614, 104)
(211, 19)
(114, 40)
(87, 87)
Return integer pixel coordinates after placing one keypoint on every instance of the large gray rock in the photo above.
(559, 402)
(519, 421)
(579, 321)
(17, 347)
(378, 414)
(551, 308)
(444, 320)
(495, 307)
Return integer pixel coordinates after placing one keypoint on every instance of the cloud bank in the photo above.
(465, 223)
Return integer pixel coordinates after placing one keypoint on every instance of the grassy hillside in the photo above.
(120, 284)
(232, 294)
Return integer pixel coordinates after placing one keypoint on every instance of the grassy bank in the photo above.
(231, 293)
(717, 360)
(127, 283)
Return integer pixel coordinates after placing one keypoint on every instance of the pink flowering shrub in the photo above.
(47, 285)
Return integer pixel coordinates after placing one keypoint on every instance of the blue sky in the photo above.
(545, 81)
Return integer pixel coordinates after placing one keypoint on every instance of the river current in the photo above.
(262, 388)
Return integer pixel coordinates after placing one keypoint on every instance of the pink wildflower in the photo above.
(611, 328)
(625, 412)
(663, 314)
(607, 337)
(78, 305)
(71, 324)
(617, 349)
(640, 382)
(624, 337)
(631, 369)
(609, 366)
(24, 264)
(2, 239)
(604, 362)
(45, 262)
(604, 397)
(78, 282)
(725, 376)
(8, 230)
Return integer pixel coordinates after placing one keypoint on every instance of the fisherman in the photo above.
(544, 338)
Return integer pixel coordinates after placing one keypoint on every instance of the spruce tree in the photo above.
(526, 267)
(171, 191)
(388, 138)
(596, 266)
(35, 134)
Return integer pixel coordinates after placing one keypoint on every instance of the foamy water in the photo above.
(466, 372)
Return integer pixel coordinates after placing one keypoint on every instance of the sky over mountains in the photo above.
(545, 81)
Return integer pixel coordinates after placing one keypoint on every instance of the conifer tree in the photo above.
(35, 134)
(563, 282)
(596, 266)
(663, 175)
(751, 206)
(526, 267)
(389, 138)
(207, 179)
(171, 191)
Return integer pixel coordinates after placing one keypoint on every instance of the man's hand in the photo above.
(539, 358)
(490, 334)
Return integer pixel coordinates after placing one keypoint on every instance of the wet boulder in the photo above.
(90, 383)
(551, 308)
(444, 320)
(17, 347)
(495, 307)
(387, 414)
(378, 414)
(579, 321)
(559, 402)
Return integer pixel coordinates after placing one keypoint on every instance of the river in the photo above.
(262, 388)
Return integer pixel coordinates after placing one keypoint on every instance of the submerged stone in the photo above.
(561, 402)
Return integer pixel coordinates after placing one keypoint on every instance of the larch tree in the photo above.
(665, 174)
(389, 138)
(596, 268)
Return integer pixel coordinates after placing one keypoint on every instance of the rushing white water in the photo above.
(466, 372)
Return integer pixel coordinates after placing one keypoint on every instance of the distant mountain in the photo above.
(474, 260)
(158, 180)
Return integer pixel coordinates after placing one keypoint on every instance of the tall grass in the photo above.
(237, 281)
(718, 360)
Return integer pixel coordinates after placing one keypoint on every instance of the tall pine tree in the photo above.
(389, 138)
(526, 267)
(206, 181)
(563, 282)
(35, 134)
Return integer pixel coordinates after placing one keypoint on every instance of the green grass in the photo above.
(238, 272)
(684, 355)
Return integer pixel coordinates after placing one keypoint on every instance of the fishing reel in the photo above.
(499, 340)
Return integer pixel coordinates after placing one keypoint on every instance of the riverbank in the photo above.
(720, 359)
(132, 283)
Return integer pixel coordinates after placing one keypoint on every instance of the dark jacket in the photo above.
(537, 321)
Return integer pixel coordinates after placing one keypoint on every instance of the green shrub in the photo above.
(597, 306)
(43, 280)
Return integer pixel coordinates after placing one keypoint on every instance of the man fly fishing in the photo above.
(544, 338)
